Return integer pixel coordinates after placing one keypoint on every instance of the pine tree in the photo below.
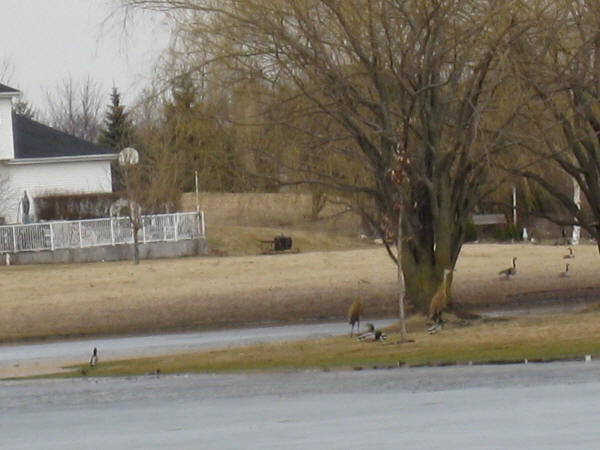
(117, 133)
(117, 126)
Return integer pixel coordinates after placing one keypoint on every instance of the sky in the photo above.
(48, 41)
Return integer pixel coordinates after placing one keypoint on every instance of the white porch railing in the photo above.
(96, 232)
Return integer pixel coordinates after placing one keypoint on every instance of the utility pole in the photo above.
(577, 200)
(197, 202)
(514, 204)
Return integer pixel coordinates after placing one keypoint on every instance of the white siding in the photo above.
(6, 131)
(51, 178)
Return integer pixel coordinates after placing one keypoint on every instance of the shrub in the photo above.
(74, 206)
(470, 232)
(510, 232)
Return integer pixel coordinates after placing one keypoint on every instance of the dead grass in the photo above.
(245, 241)
(563, 336)
(49, 301)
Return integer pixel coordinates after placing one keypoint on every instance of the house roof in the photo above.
(35, 140)
(5, 88)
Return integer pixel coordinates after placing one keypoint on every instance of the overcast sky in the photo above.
(47, 41)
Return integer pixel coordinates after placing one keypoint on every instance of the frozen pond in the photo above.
(472, 407)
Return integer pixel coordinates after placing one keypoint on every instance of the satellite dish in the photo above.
(129, 156)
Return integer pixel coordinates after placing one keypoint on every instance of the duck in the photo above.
(570, 255)
(372, 334)
(565, 274)
(367, 334)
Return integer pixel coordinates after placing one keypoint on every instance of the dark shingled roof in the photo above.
(5, 88)
(35, 140)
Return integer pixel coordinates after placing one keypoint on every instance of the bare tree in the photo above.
(559, 67)
(7, 70)
(134, 190)
(76, 108)
(413, 81)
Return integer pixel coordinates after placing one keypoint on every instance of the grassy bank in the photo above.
(544, 338)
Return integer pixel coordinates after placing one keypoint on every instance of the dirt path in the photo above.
(204, 293)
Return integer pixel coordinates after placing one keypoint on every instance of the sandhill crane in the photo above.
(565, 274)
(94, 358)
(439, 302)
(356, 310)
(570, 255)
(511, 271)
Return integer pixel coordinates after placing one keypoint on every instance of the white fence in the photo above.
(97, 232)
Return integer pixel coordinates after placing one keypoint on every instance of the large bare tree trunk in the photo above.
(428, 251)
(422, 280)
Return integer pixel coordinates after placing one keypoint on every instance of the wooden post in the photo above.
(401, 285)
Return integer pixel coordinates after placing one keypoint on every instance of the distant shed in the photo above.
(489, 219)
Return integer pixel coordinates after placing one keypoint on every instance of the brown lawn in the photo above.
(194, 293)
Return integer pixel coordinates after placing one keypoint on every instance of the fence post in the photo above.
(112, 231)
(80, 236)
(176, 227)
(202, 224)
(143, 229)
(51, 237)
(14, 238)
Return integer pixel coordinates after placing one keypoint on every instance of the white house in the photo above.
(39, 160)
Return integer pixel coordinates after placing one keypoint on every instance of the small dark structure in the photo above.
(282, 242)
(278, 244)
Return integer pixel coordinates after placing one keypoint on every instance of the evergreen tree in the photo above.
(117, 133)
(117, 126)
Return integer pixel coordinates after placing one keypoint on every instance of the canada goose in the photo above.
(439, 302)
(570, 255)
(566, 272)
(511, 271)
(94, 358)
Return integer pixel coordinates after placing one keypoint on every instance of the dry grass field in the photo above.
(53, 301)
